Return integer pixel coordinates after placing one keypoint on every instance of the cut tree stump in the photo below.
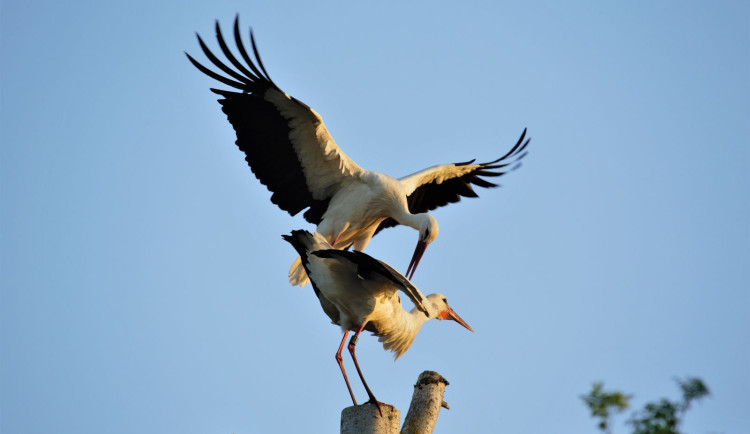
(366, 419)
(425, 404)
(420, 419)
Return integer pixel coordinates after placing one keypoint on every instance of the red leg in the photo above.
(340, 361)
(352, 345)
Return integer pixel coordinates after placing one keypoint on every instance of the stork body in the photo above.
(289, 149)
(355, 213)
(358, 293)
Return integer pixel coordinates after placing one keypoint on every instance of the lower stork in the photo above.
(359, 292)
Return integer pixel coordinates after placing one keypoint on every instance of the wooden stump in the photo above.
(425, 404)
(421, 418)
(366, 419)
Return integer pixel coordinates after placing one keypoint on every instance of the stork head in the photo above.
(438, 307)
(428, 232)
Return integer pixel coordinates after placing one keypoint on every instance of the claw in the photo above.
(379, 404)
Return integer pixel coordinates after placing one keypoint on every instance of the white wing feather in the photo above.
(327, 168)
(437, 174)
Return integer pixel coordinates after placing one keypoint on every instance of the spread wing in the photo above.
(440, 185)
(370, 268)
(285, 142)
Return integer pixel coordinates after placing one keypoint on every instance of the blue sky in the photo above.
(143, 274)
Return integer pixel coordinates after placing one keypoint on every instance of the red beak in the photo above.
(418, 252)
(454, 316)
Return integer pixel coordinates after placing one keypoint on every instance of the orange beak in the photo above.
(418, 252)
(451, 314)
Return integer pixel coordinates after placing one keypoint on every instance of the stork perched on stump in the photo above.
(359, 292)
(291, 152)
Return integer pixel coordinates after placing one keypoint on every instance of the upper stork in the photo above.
(291, 152)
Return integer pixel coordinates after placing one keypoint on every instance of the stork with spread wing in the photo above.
(291, 152)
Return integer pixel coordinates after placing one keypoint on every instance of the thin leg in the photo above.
(352, 346)
(340, 361)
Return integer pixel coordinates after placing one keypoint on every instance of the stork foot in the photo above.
(379, 404)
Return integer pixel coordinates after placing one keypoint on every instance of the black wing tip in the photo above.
(236, 23)
(200, 41)
(465, 163)
(257, 57)
(516, 151)
(241, 77)
(195, 62)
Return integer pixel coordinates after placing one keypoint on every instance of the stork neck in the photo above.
(408, 219)
(417, 318)
(400, 331)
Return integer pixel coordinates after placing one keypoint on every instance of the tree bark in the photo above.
(420, 419)
(366, 419)
(425, 404)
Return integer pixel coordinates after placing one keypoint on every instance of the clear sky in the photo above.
(144, 277)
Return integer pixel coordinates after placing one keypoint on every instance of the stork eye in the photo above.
(445, 300)
(426, 234)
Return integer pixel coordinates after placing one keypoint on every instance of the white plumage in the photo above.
(359, 292)
(290, 151)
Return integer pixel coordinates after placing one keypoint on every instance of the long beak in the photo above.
(454, 316)
(418, 252)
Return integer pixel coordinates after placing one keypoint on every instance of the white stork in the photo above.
(291, 152)
(359, 292)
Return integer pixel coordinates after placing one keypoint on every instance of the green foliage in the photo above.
(661, 417)
(601, 403)
(656, 418)
(692, 389)
(664, 417)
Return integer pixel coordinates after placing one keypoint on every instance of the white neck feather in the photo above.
(405, 218)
